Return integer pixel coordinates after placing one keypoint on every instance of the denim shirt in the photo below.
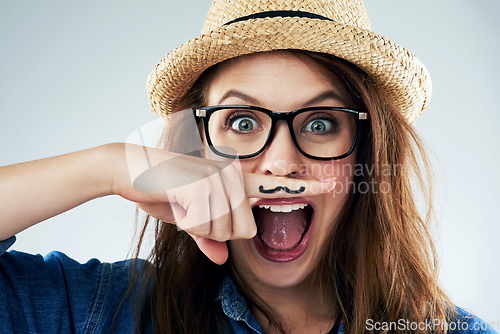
(55, 294)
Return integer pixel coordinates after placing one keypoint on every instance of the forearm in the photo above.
(35, 191)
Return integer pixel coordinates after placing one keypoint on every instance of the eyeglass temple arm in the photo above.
(363, 115)
(200, 112)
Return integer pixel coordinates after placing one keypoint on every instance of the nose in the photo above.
(281, 157)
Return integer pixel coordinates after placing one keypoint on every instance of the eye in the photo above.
(319, 125)
(244, 124)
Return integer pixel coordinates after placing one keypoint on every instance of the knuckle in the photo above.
(245, 231)
(201, 230)
(234, 172)
(222, 235)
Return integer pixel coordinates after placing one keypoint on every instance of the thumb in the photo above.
(216, 251)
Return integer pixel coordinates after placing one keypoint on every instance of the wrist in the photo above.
(111, 169)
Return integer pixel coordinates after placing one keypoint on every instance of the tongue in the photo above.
(281, 230)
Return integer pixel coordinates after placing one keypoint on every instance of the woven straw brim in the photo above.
(395, 69)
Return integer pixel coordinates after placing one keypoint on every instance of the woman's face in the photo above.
(282, 82)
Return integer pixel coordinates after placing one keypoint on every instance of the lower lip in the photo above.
(288, 255)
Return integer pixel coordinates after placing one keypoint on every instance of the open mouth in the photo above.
(282, 228)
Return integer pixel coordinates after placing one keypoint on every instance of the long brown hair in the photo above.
(379, 263)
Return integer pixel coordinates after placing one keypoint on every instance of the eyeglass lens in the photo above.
(320, 133)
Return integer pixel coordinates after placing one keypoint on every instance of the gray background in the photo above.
(73, 73)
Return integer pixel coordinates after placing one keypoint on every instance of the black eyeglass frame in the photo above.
(206, 112)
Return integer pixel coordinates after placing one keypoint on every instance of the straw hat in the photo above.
(338, 27)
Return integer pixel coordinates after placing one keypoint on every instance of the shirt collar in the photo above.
(235, 307)
(233, 303)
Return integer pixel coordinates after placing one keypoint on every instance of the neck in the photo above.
(300, 309)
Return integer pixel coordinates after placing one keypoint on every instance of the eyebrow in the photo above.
(240, 95)
(329, 94)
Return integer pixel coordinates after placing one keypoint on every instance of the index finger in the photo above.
(265, 186)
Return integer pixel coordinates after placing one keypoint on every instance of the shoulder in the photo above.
(57, 268)
(467, 323)
(56, 274)
(72, 295)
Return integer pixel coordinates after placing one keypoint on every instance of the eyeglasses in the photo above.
(321, 133)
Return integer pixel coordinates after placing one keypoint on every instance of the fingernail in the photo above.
(252, 200)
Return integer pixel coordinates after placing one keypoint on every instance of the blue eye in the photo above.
(244, 124)
(318, 125)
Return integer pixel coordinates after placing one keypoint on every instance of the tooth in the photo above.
(283, 208)
(275, 208)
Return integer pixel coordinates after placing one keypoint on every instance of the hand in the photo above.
(205, 198)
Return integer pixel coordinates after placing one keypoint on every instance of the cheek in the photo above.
(333, 202)
(342, 170)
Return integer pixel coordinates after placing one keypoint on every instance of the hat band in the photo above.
(280, 13)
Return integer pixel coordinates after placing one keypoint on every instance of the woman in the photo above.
(325, 241)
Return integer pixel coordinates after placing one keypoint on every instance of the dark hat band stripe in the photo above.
(280, 13)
